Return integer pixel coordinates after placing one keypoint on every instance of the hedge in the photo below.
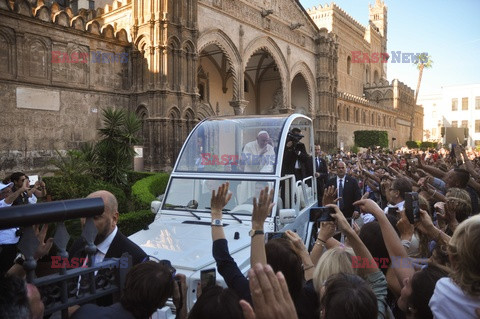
(61, 188)
(422, 145)
(132, 222)
(371, 138)
(146, 190)
(427, 145)
(413, 144)
(133, 176)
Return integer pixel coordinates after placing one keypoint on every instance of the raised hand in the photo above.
(44, 246)
(369, 206)
(330, 195)
(297, 242)
(262, 208)
(327, 230)
(270, 295)
(219, 200)
(342, 222)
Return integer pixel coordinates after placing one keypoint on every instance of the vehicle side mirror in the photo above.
(155, 206)
(287, 216)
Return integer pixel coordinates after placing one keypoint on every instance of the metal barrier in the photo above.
(64, 288)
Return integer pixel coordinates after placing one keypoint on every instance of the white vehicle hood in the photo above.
(188, 246)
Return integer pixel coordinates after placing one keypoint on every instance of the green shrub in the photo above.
(413, 144)
(61, 188)
(133, 176)
(132, 222)
(146, 190)
(371, 138)
(354, 149)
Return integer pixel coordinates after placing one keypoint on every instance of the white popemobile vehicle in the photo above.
(215, 153)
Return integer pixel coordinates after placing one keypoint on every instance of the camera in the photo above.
(321, 214)
(412, 211)
(294, 137)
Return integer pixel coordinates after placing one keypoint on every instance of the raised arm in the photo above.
(358, 246)
(393, 243)
(217, 203)
(12, 197)
(261, 210)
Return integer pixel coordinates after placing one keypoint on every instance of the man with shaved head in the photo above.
(347, 189)
(110, 241)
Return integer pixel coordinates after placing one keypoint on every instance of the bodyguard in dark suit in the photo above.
(321, 173)
(110, 241)
(347, 189)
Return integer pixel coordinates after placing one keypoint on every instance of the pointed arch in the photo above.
(7, 52)
(269, 45)
(223, 41)
(173, 67)
(78, 23)
(122, 35)
(43, 13)
(189, 52)
(37, 54)
(93, 27)
(108, 31)
(23, 7)
(61, 18)
(303, 69)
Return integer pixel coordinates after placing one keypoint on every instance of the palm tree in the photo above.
(114, 152)
(424, 61)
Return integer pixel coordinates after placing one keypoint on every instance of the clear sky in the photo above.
(448, 30)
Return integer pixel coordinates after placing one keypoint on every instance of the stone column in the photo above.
(239, 106)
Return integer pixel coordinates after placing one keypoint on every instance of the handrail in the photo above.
(49, 212)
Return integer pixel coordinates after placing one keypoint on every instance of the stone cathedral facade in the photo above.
(175, 62)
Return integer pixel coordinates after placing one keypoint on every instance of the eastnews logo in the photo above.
(93, 57)
(395, 262)
(76, 262)
(383, 57)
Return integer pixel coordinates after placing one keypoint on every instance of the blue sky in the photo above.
(448, 30)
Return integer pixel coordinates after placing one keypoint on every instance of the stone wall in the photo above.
(48, 103)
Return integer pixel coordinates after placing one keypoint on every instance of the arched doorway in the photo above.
(263, 84)
(300, 95)
(215, 78)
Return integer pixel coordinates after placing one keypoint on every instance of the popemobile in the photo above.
(247, 152)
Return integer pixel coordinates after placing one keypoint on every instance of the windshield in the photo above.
(195, 194)
(233, 145)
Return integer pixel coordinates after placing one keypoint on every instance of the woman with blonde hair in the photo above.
(458, 296)
(334, 261)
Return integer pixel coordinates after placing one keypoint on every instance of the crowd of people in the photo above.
(401, 241)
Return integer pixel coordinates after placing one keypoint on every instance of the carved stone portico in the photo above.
(186, 60)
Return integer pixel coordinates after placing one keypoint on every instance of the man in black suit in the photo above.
(347, 190)
(321, 173)
(110, 241)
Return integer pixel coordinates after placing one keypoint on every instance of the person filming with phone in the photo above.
(30, 195)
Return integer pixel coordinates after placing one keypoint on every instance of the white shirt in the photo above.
(104, 246)
(8, 236)
(449, 301)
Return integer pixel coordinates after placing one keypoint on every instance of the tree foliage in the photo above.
(111, 158)
(114, 152)
(371, 138)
